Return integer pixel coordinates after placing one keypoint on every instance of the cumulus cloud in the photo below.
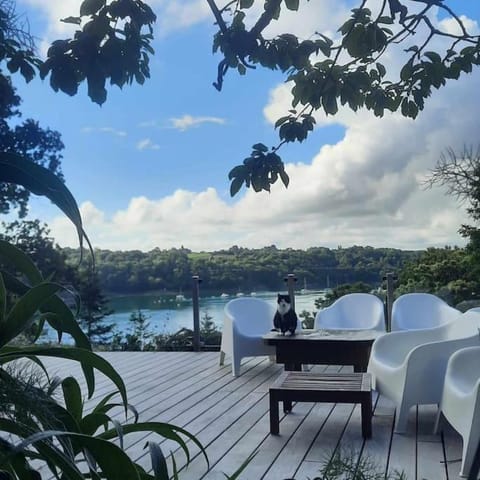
(187, 121)
(364, 189)
(175, 15)
(147, 144)
(53, 12)
(451, 26)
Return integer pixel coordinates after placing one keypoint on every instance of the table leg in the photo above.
(367, 417)
(287, 406)
(293, 367)
(274, 416)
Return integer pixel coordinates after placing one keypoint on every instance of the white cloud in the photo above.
(451, 26)
(53, 12)
(187, 121)
(111, 130)
(148, 124)
(175, 15)
(365, 189)
(147, 144)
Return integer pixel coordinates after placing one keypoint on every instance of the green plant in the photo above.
(181, 340)
(307, 318)
(72, 443)
(140, 336)
(209, 332)
(347, 466)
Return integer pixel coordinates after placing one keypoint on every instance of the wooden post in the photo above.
(290, 279)
(196, 312)
(390, 278)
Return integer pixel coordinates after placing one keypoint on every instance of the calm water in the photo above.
(167, 315)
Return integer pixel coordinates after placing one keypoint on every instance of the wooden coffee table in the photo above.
(322, 387)
(335, 347)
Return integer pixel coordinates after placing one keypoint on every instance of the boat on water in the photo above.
(180, 298)
(224, 295)
(240, 294)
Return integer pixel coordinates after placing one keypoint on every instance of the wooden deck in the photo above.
(230, 417)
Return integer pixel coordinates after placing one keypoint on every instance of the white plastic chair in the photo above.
(246, 320)
(354, 311)
(414, 311)
(460, 403)
(409, 366)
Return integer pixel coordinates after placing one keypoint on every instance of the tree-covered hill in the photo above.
(242, 269)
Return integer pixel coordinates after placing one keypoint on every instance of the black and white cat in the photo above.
(285, 318)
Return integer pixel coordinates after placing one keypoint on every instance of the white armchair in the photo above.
(354, 311)
(460, 403)
(414, 311)
(409, 366)
(246, 320)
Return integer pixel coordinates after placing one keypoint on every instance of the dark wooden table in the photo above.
(335, 347)
(322, 387)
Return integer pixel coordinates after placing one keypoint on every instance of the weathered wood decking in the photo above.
(230, 417)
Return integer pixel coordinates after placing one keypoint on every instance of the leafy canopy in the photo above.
(113, 43)
(348, 69)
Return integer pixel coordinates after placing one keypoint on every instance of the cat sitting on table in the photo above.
(285, 318)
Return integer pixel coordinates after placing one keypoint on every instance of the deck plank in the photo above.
(403, 449)
(430, 456)
(229, 416)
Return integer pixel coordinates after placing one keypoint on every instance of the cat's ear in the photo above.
(278, 295)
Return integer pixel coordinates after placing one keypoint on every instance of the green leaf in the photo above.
(282, 120)
(330, 104)
(166, 430)
(60, 312)
(72, 395)
(238, 171)
(3, 301)
(41, 181)
(387, 20)
(92, 422)
(236, 185)
(73, 20)
(284, 176)
(242, 467)
(324, 48)
(20, 261)
(81, 355)
(90, 7)
(159, 463)
(381, 70)
(260, 147)
(246, 3)
(406, 71)
(292, 4)
(20, 316)
(433, 56)
(49, 454)
(112, 460)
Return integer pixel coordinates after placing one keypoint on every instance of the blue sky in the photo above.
(149, 168)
